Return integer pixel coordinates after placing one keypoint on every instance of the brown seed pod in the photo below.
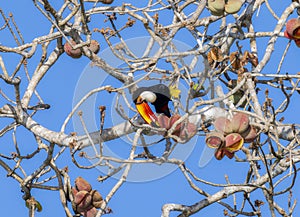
(252, 59)
(94, 46)
(293, 28)
(83, 201)
(90, 213)
(215, 55)
(297, 42)
(74, 53)
(286, 34)
(234, 60)
(107, 1)
(97, 199)
(82, 185)
(249, 135)
(219, 154)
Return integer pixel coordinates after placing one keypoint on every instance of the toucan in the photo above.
(158, 95)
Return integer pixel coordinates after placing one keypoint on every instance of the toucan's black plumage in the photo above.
(161, 97)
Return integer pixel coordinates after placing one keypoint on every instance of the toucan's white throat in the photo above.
(148, 96)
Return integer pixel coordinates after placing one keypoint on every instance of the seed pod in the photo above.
(287, 35)
(223, 125)
(90, 213)
(106, 1)
(97, 199)
(249, 135)
(216, 7)
(214, 139)
(234, 60)
(297, 42)
(94, 46)
(293, 28)
(83, 201)
(163, 121)
(82, 185)
(173, 119)
(240, 123)
(188, 130)
(220, 153)
(233, 6)
(233, 142)
(215, 55)
(74, 53)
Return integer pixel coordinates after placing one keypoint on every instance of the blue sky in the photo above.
(137, 197)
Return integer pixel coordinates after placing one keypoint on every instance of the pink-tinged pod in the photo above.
(214, 139)
(223, 124)
(240, 123)
(233, 142)
(173, 119)
(90, 213)
(94, 46)
(83, 201)
(163, 121)
(221, 152)
(74, 53)
(293, 28)
(187, 131)
(249, 135)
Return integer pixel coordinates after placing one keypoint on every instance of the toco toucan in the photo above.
(158, 95)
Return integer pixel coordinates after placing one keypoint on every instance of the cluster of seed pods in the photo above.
(292, 30)
(85, 200)
(94, 46)
(184, 130)
(219, 7)
(230, 135)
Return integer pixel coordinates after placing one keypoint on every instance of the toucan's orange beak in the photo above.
(146, 112)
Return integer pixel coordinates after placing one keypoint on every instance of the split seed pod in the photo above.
(214, 139)
(293, 29)
(233, 142)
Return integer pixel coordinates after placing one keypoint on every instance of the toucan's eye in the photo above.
(139, 100)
